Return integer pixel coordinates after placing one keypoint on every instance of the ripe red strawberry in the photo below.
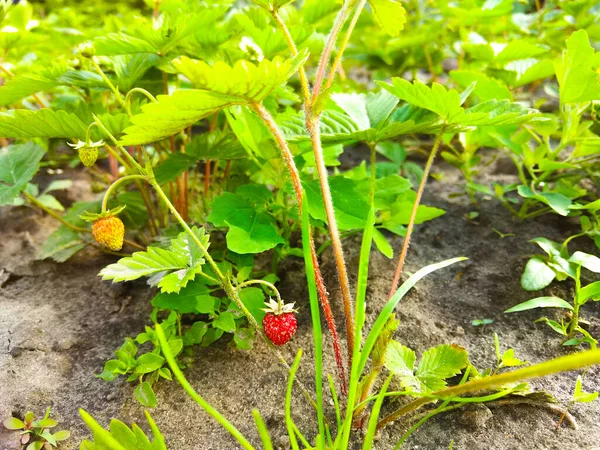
(109, 231)
(279, 323)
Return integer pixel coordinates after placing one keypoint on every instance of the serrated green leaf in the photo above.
(537, 275)
(172, 114)
(175, 267)
(438, 364)
(400, 360)
(487, 88)
(390, 15)
(349, 202)
(540, 302)
(577, 79)
(18, 165)
(244, 81)
(23, 86)
(43, 123)
(445, 103)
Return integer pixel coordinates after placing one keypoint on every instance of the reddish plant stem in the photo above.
(206, 177)
(336, 243)
(413, 214)
(337, 26)
(321, 289)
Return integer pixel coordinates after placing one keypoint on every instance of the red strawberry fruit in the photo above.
(279, 323)
(109, 231)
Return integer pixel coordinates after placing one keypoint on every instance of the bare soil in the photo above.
(59, 323)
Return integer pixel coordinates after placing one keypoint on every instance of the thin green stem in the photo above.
(413, 214)
(562, 364)
(266, 283)
(128, 157)
(141, 91)
(109, 83)
(113, 186)
(88, 133)
(166, 350)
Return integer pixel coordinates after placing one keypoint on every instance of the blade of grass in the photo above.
(315, 314)
(166, 350)
(389, 307)
(262, 430)
(372, 427)
(361, 289)
(336, 403)
(288, 402)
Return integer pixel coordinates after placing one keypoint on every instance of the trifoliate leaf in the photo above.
(439, 363)
(175, 267)
(244, 81)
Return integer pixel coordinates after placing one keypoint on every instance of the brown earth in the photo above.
(59, 323)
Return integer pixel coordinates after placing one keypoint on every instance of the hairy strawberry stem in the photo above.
(321, 289)
(413, 214)
(344, 43)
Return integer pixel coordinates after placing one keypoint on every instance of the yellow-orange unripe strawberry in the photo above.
(109, 231)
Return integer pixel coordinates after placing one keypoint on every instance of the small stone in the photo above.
(458, 331)
(475, 416)
(283, 442)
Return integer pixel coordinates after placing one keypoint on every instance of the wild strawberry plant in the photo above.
(214, 132)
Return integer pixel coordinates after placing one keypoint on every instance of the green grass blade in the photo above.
(262, 431)
(389, 307)
(372, 427)
(288, 402)
(315, 314)
(355, 370)
(100, 434)
(166, 350)
(336, 402)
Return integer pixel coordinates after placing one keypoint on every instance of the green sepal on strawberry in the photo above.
(107, 228)
(280, 322)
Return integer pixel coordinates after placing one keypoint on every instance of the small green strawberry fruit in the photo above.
(88, 151)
